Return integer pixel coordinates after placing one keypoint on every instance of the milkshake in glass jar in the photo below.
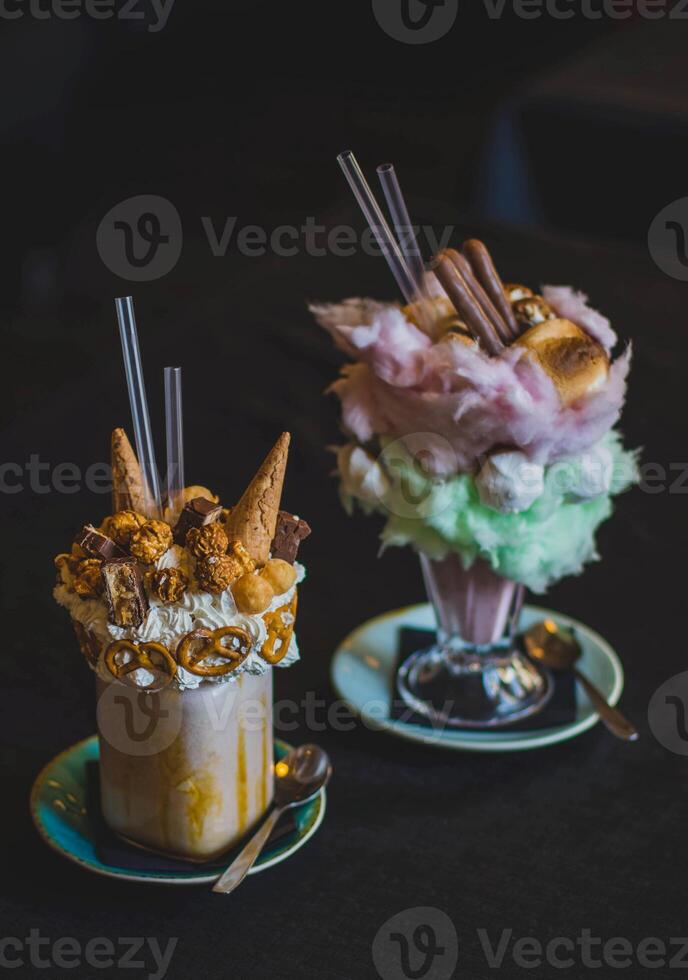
(183, 621)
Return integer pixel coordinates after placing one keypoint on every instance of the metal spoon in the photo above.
(299, 777)
(559, 649)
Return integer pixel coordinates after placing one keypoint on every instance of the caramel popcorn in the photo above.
(190, 493)
(206, 541)
(252, 594)
(120, 527)
(151, 541)
(515, 291)
(217, 572)
(87, 579)
(77, 552)
(168, 584)
(280, 574)
(532, 310)
(66, 566)
(237, 550)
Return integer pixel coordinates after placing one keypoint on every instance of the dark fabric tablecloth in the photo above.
(590, 834)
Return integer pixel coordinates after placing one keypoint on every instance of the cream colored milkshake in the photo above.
(204, 774)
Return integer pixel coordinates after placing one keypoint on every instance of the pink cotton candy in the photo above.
(403, 384)
(572, 305)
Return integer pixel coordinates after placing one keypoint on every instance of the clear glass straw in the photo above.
(402, 223)
(378, 225)
(139, 404)
(175, 440)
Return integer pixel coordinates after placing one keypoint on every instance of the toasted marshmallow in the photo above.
(576, 363)
(509, 482)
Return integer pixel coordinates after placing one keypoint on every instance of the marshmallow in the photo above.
(586, 477)
(509, 482)
(361, 475)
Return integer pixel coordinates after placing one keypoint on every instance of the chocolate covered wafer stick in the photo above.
(484, 269)
(488, 307)
(466, 305)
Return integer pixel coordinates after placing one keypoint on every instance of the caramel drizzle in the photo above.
(242, 794)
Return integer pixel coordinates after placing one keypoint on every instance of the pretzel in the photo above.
(190, 656)
(279, 630)
(144, 656)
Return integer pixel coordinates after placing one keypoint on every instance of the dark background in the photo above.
(558, 141)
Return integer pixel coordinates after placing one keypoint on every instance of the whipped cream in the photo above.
(167, 624)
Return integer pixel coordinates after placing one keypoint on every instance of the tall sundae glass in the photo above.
(479, 421)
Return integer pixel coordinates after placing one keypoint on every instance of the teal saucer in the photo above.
(363, 673)
(58, 808)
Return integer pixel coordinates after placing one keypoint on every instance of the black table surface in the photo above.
(589, 834)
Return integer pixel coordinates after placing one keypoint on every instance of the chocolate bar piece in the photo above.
(290, 532)
(124, 592)
(98, 545)
(197, 513)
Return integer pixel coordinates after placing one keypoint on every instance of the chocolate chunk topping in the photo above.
(124, 592)
(197, 513)
(290, 532)
(98, 545)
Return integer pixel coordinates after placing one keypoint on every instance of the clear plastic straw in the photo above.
(402, 223)
(175, 439)
(378, 225)
(139, 404)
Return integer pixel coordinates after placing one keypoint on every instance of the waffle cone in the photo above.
(254, 519)
(128, 492)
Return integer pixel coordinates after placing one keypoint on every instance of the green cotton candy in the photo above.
(553, 538)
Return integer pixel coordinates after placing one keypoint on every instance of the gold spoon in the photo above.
(559, 649)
